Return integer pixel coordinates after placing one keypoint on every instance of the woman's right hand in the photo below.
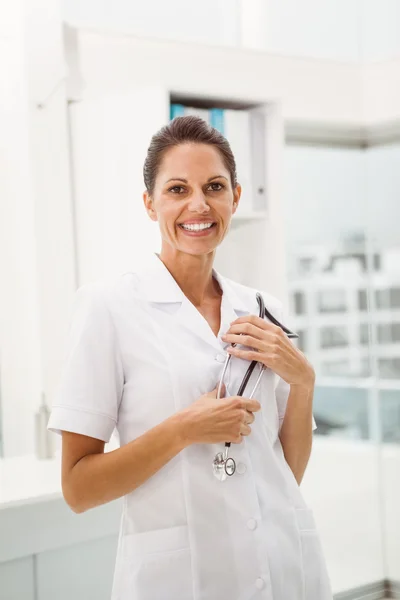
(212, 421)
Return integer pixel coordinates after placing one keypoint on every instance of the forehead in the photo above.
(192, 161)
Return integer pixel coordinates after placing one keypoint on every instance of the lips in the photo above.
(197, 227)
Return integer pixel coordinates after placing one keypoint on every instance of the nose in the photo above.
(198, 203)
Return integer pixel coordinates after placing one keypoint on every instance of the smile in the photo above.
(196, 226)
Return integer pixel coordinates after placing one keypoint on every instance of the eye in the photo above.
(176, 189)
(216, 186)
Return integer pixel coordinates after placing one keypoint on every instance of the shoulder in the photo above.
(105, 294)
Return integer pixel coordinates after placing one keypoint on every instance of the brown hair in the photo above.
(185, 130)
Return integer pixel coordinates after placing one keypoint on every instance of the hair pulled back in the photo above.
(185, 130)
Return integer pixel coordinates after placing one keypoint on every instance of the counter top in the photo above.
(26, 479)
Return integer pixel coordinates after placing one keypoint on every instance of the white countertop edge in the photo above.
(31, 500)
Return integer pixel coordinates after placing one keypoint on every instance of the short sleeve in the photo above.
(282, 389)
(91, 384)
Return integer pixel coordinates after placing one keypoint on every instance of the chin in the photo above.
(197, 249)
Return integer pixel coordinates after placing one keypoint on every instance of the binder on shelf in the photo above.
(176, 110)
(217, 119)
(238, 134)
(258, 160)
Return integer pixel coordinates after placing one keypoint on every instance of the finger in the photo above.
(246, 329)
(250, 418)
(257, 321)
(252, 405)
(245, 354)
(245, 340)
(245, 429)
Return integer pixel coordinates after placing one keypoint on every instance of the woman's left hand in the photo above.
(270, 346)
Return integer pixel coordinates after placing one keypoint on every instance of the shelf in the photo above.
(209, 101)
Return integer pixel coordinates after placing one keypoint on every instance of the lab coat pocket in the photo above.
(157, 564)
(316, 579)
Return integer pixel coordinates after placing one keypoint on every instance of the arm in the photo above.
(91, 477)
(296, 430)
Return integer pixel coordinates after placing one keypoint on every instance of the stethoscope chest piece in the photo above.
(223, 467)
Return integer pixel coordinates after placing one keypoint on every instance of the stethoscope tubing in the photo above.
(262, 313)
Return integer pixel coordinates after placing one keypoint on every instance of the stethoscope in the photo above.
(224, 465)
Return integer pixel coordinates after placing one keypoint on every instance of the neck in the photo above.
(193, 274)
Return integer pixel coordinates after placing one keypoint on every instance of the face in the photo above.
(193, 199)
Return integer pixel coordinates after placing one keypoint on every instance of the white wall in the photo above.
(213, 22)
(36, 241)
(349, 30)
(341, 30)
(381, 30)
(328, 29)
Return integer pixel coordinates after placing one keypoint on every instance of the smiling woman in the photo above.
(146, 357)
(191, 188)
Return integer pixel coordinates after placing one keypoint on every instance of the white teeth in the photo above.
(197, 226)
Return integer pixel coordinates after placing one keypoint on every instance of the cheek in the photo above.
(167, 217)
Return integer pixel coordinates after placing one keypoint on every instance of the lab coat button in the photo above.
(259, 583)
(241, 468)
(252, 524)
(220, 358)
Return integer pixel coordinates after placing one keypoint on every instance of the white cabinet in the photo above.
(17, 579)
(81, 572)
(48, 552)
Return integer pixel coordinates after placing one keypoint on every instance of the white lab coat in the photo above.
(138, 352)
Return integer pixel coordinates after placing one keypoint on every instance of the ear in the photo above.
(237, 192)
(148, 203)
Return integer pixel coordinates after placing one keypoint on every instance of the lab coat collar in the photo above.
(160, 288)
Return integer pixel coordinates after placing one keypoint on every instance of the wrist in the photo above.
(181, 428)
(307, 382)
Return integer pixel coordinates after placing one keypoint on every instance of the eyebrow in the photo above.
(185, 180)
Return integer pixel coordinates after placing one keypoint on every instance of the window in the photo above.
(331, 301)
(364, 333)
(305, 265)
(362, 300)
(394, 298)
(389, 403)
(389, 368)
(299, 303)
(301, 342)
(341, 412)
(388, 333)
(382, 299)
(389, 298)
(335, 367)
(333, 337)
(377, 262)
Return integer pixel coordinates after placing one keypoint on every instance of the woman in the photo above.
(146, 354)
